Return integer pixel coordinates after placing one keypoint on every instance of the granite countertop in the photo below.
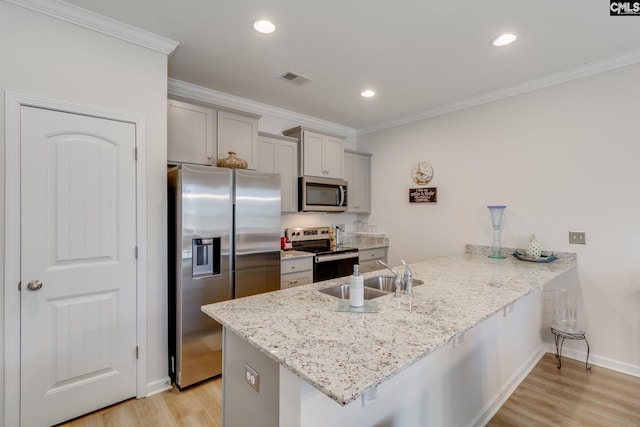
(346, 354)
(295, 254)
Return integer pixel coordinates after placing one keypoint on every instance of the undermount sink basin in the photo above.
(374, 287)
(386, 283)
(342, 292)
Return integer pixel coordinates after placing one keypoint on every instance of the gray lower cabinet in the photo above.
(296, 272)
(369, 258)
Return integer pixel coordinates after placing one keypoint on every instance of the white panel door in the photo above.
(78, 266)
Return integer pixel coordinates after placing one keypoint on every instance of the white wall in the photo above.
(561, 158)
(49, 58)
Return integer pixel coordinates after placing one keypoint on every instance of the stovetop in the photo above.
(316, 240)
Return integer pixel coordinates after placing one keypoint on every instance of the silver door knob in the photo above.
(34, 285)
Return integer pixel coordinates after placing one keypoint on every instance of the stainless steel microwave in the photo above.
(322, 194)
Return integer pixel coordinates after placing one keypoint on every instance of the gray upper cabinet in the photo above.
(321, 154)
(191, 133)
(357, 172)
(279, 154)
(201, 134)
(238, 133)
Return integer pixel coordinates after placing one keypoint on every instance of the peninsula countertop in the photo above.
(346, 354)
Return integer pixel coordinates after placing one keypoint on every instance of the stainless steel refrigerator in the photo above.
(224, 242)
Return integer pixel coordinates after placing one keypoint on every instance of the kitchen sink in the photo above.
(342, 292)
(374, 287)
(386, 283)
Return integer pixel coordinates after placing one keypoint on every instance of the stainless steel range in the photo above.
(329, 261)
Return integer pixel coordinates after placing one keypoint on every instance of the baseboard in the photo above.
(495, 403)
(594, 359)
(158, 386)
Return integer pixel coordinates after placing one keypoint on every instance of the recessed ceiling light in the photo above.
(504, 39)
(368, 93)
(263, 26)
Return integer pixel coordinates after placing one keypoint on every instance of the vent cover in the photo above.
(294, 78)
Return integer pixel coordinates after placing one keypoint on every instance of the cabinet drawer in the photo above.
(367, 266)
(296, 279)
(375, 254)
(296, 264)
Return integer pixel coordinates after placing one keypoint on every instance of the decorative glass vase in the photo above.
(496, 220)
(232, 162)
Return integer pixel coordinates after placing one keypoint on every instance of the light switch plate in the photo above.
(577, 238)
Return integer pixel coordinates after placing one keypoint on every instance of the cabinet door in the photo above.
(239, 134)
(357, 171)
(349, 176)
(296, 279)
(362, 177)
(288, 168)
(333, 157)
(267, 154)
(312, 149)
(191, 132)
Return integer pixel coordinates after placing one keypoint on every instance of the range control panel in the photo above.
(312, 233)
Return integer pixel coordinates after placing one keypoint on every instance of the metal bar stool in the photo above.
(560, 335)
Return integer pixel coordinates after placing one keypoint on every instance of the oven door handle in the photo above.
(328, 258)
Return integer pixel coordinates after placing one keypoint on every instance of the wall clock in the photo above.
(422, 173)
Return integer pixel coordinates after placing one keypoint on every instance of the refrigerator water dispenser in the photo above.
(205, 258)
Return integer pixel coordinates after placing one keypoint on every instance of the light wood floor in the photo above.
(547, 397)
(197, 406)
(571, 396)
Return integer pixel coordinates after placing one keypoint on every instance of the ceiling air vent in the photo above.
(294, 78)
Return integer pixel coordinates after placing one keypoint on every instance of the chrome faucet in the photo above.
(407, 278)
(395, 276)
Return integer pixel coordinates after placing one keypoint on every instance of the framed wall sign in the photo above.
(423, 195)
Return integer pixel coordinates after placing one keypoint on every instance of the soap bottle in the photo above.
(356, 288)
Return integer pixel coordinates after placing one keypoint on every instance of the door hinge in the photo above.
(19, 286)
(137, 351)
(135, 153)
(136, 252)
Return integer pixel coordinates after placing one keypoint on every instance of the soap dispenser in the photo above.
(356, 288)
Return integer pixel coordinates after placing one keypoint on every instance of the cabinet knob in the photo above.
(293, 266)
(209, 157)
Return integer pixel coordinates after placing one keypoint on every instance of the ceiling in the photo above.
(418, 55)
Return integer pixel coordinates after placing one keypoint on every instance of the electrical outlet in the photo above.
(577, 238)
(252, 377)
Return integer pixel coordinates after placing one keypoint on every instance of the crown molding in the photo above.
(597, 67)
(101, 24)
(189, 91)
